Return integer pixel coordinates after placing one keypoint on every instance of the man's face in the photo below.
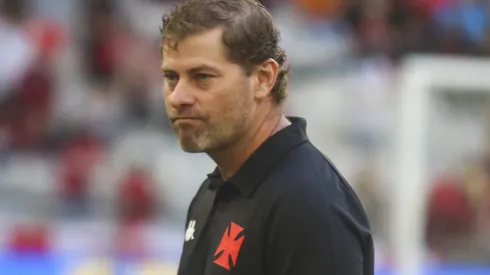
(209, 100)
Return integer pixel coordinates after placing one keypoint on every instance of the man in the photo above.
(274, 205)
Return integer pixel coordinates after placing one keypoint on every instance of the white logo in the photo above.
(189, 233)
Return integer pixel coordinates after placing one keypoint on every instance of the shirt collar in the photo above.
(262, 161)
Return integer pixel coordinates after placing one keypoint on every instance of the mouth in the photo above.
(174, 120)
(185, 121)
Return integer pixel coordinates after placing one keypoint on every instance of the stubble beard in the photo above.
(223, 131)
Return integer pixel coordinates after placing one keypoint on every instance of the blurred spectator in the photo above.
(375, 30)
(450, 216)
(464, 24)
(30, 238)
(100, 55)
(75, 169)
(33, 103)
(136, 197)
(16, 54)
(410, 27)
(477, 187)
(32, 113)
(28, 111)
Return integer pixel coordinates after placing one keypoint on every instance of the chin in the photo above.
(191, 147)
(197, 144)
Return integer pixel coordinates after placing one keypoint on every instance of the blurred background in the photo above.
(92, 180)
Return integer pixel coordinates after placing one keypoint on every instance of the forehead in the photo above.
(203, 48)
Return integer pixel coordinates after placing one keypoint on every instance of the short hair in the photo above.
(249, 36)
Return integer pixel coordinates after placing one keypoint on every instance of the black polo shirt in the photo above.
(287, 211)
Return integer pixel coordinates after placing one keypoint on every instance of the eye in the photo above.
(170, 77)
(202, 77)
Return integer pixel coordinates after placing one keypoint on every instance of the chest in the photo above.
(224, 236)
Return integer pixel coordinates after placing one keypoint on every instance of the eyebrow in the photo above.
(195, 70)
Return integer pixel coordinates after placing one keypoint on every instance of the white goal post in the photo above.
(420, 77)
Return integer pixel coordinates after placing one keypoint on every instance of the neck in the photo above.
(230, 160)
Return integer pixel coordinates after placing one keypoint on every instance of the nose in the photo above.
(181, 96)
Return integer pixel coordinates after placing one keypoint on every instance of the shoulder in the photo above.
(306, 172)
(307, 184)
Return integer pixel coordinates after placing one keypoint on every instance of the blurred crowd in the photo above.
(108, 94)
(70, 88)
(458, 220)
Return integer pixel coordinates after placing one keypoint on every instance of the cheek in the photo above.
(238, 105)
(169, 109)
(226, 99)
(166, 101)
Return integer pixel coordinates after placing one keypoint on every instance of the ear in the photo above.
(266, 74)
